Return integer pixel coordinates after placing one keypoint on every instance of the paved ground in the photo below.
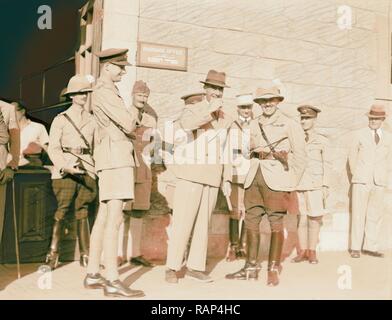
(369, 278)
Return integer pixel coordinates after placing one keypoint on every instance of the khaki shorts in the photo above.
(116, 184)
(311, 203)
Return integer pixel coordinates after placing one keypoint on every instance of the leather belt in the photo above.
(262, 155)
(76, 150)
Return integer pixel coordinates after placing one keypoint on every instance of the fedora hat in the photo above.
(269, 93)
(216, 78)
(78, 84)
(245, 99)
(377, 111)
(308, 111)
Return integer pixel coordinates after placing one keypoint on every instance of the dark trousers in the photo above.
(261, 200)
(82, 190)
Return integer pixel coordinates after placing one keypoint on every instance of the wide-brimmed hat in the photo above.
(266, 94)
(192, 98)
(78, 84)
(115, 56)
(216, 78)
(245, 99)
(308, 111)
(377, 111)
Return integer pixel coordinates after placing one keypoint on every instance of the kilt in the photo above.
(116, 184)
(69, 189)
(311, 203)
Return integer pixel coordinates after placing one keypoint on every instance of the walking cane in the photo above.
(15, 229)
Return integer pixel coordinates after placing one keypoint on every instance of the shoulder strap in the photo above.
(78, 130)
(272, 148)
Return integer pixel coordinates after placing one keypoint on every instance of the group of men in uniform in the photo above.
(258, 161)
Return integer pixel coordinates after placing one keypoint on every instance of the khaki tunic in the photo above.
(113, 154)
(316, 175)
(278, 127)
(64, 135)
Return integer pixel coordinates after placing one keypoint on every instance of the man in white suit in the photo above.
(370, 161)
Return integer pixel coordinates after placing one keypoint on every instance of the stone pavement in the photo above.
(369, 278)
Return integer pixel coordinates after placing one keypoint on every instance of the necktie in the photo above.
(306, 136)
(376, 137)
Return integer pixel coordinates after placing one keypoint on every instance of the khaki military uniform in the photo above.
(370, 165)
(310, 190)
(66, 147)
(268, 184)
(114, 163)
(114, 159)
(198, 170)
(7, 122)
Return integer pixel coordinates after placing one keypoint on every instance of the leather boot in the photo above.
(241, 253)
(84, 241)
(233, 235)
(301, 256)
(52, 258)
(274, 266)
(251, 270)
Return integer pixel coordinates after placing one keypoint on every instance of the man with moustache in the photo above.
(198, 177)
(114, 164)
(278, 159)
(136, 210)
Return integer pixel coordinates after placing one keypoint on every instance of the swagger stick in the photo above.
(15, 229)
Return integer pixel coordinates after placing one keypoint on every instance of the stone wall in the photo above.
(295, 44)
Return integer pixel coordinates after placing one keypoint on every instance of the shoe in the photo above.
(141, 261)
(373, 253)
(302, 256)
(312, 257)
(198, 276)
(118, 289)
(355, 254)
(171, 276)
(248, 272)
(94, 281)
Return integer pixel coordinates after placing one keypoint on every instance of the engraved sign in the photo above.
(162, 56)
